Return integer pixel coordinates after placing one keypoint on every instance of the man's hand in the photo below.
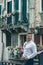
(24, 58)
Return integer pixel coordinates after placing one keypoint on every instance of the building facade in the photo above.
(19, 17)
(39, 21)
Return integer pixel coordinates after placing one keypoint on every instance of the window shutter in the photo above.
(8, 39)
(42, 5)
(16, 7)
(9, 7)
(0, 9)
(9, 10)
(24, 5)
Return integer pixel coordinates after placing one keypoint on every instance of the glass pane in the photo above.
(16, 7)
(9, 19)
(42, 5)
(16, 4)
(0, 9)
(8, 39)
(24, 5)
(9, 10)
(0, 12)
(9, 7)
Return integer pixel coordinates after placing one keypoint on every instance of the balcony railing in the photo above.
(10, 63)
(38, 60)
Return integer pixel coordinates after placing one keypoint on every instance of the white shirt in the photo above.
(30, 49)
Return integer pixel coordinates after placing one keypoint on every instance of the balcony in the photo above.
(20, 26)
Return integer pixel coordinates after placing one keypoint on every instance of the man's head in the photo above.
(28, 36)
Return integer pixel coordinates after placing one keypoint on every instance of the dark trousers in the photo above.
(28, 62)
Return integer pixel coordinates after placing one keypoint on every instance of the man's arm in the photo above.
(34, 49)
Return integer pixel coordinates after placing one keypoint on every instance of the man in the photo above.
(30, 50)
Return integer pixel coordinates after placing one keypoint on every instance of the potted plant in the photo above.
(39, 47)
(18, 51)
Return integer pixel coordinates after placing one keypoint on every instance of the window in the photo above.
(8, 39)
(24, 7)
(9, 10)
(0, 9)
(23, 12)
(16, 4)
(9, 7)
(0, 12)
(42, 5)
(9, 20)
(16, 7)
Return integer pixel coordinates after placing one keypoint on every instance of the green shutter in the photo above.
(9, 20)
(0, 9)
(8, 39)
(42, 5)
(24, 5)
(9, 10)
(0, 14)
(9, 7)
(16, 7)
(16, 4)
